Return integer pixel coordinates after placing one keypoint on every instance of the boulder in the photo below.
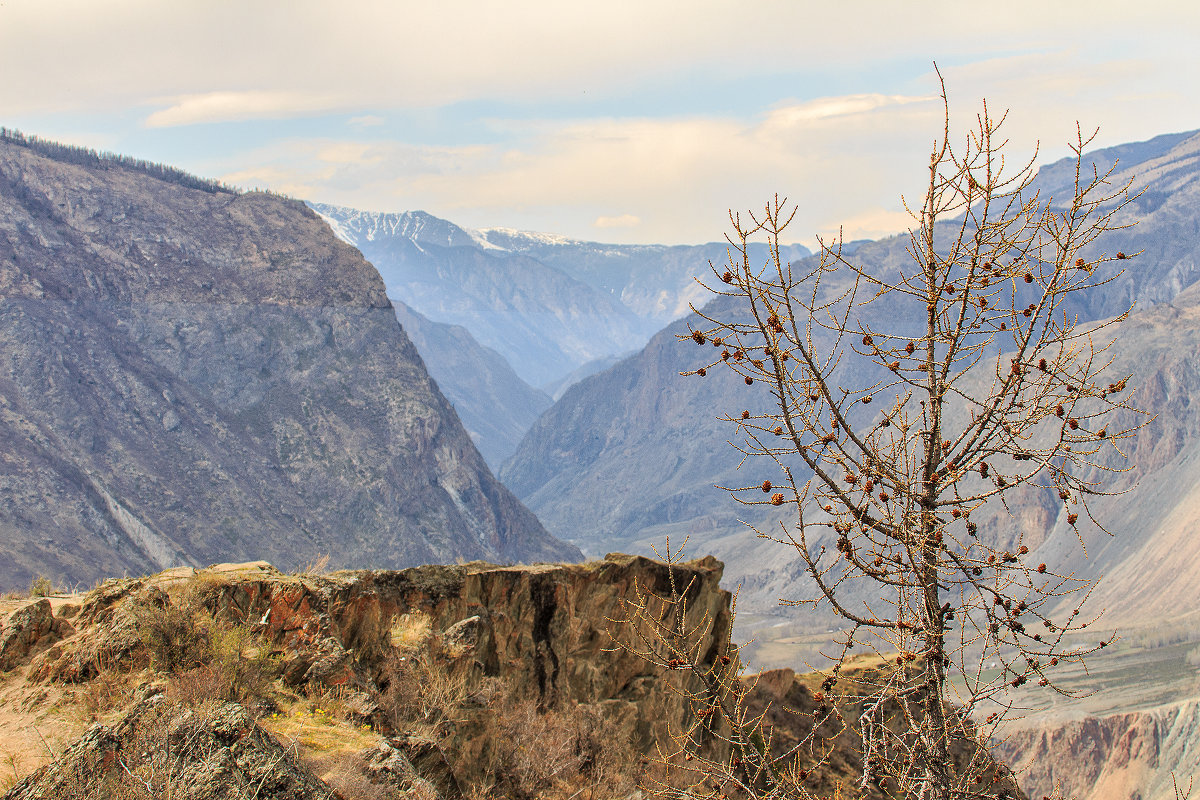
(27, 630)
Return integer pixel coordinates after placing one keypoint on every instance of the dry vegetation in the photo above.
(497, 742)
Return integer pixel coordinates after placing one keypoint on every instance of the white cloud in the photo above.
(829, 107)
(672, 178)
(365, 121)
(234, 106)
(622, 221)
(71, 54)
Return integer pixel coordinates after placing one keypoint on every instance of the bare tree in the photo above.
(905, 403)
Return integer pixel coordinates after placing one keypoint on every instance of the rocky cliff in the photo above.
(494, 404)
(467, 679)
(190, 375)
(472, 643)
(1140, 755)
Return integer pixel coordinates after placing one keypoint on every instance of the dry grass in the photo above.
(411, 632)
(108, 692)
(344, 772)
(318, 567)
(319, 726)
(571, 752)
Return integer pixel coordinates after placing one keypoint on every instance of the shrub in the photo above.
(420, 690)
(169, 632)
(539, 753)
(41, 586)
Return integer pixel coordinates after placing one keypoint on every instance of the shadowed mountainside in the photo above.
(495, 405)
(192, 375)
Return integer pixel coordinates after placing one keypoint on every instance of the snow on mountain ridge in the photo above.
(354, 227)
(531, 237)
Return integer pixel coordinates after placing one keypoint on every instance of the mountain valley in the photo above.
(191, 374)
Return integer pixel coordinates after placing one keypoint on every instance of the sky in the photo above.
(620, 121)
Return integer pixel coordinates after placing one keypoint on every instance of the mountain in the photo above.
(548, 304)
(190, 375)
(543, 321)
(494, 404)
(558, 388)
(630, 456)
(657, 282)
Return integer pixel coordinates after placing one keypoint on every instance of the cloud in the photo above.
(235, 106)
(277, 179)
(71, 54)
(852, 136)
(829, 107)
(623, 221)
(673, 179)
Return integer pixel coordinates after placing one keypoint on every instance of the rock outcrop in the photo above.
(160, 749)
(191, 375)
(543, 627)
(27, 629)
(1140, 755)
(519, 645)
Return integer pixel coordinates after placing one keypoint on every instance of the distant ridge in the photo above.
(87, 157)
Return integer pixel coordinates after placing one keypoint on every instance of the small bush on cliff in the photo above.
(207, 658)
(41, 586)
(421, 693)
(169, 631)
(237, 667)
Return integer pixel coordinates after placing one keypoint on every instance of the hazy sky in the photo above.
(618, 121)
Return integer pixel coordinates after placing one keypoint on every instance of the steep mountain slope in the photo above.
(190, 375)
(1154, 520)
(495, 405)
(1140, 754)
(631, 455)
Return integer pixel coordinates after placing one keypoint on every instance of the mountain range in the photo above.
(555, 309)
(190, 374)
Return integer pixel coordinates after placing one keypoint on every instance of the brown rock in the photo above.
(410, 763)
(28, 630)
